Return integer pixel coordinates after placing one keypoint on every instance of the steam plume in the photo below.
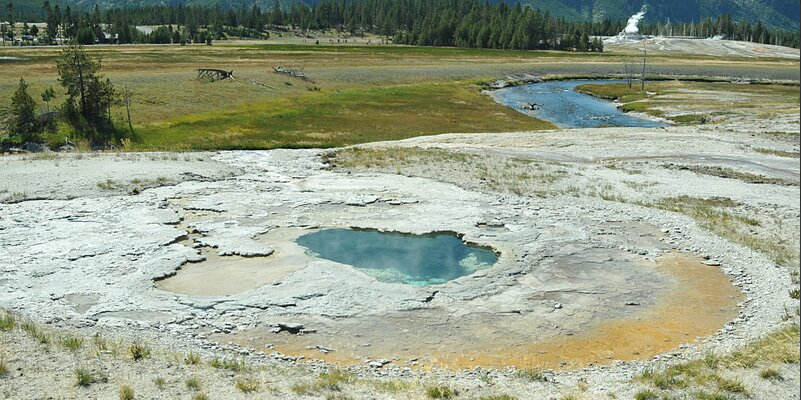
(631, 25)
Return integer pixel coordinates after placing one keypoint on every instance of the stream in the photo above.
(558, 102)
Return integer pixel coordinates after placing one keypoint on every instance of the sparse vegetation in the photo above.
(391, 386)
(771, 374)
(732, 174)
(229, 364)
(715, 215)
(245, 385)
(39, 335)
(72, 343)
(331, 381)
(139, 351)
(778, 153)
(533, 374)
(708, 373)
(441, 392)
(127, 393)
(646, 395)
(192, 384)
(192, 358)
(690, 103)
(108, 184)
(100, 342)
(7, 322)
(160, 383)
(84, 377)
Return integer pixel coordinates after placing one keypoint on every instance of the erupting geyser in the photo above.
(631, 24)
(631, 32)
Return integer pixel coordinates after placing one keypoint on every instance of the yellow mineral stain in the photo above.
(699, 302)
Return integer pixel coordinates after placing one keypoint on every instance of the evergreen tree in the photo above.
(89, 98)
(23, 112)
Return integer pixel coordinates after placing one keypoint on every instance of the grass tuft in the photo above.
(84, 377)
(235, 365)
(7, 322)
(247, 385)
(771, 374)
(331, 381)
(160, 383)
(533, 374)
(139, 351)
(39, 335)
(127, 393)
(646, 395)
(72, 343)
(441, 392)
(192, 384)
(192, 358)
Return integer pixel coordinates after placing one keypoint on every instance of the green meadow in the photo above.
(355, 94)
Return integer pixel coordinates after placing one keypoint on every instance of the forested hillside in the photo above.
(460, 23)
(782, 14)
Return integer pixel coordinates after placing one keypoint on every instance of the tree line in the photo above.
(725, 27)
(461, 23)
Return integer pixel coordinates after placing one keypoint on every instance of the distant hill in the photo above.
(785, 14)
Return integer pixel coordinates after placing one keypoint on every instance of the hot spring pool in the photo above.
(395, 257)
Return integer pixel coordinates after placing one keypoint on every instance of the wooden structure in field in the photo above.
(214, 74)
(293, 72)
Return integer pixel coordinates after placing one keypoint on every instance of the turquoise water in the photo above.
(394, 257)
(560, 103)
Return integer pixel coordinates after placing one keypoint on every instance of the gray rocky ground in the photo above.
(594, 281)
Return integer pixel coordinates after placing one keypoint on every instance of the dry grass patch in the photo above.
(332, 380)
(715, 215)
(708, 375)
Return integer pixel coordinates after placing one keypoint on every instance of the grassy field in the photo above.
(357, 93)
(688, 102)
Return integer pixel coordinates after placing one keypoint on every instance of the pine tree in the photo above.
(89, 98)
(23, 112)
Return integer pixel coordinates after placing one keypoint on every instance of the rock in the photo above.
(293, 328)
(361, 201)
